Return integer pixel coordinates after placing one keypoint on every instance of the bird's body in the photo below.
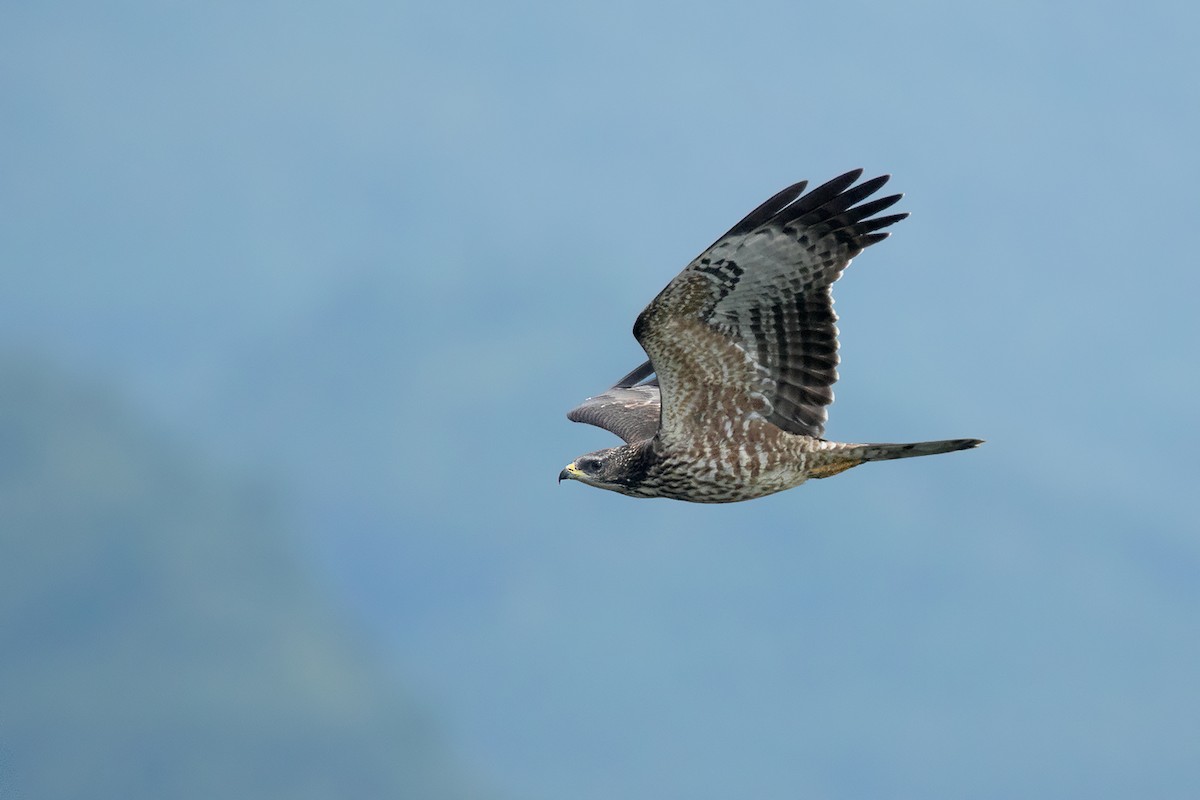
(718, 472)
(743, 348)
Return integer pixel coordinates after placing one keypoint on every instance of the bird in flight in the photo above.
(742, 347)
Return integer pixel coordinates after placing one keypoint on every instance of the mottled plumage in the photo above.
(742, 350)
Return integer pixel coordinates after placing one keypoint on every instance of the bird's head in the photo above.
(617, 469)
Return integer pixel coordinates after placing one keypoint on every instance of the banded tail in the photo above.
(886, 452)
(841, 457)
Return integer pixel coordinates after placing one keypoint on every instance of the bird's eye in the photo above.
(591, 465)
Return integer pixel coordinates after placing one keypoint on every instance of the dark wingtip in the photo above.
(639, 374)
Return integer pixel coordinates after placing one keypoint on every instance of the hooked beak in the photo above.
(571, 471)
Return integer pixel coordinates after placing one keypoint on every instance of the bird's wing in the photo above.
(630, 409)
(748, 327)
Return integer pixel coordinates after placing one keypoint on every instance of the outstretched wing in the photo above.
(629, 409)
(749, 325)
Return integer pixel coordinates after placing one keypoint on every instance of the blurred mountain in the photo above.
(160, 638)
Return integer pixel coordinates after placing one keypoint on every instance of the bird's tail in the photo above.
(841, 457)
(886, 452)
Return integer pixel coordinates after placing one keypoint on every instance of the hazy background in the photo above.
(294, 300)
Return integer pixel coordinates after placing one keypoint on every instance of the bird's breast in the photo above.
(736, 459)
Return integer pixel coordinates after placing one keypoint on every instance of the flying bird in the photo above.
(742, 347)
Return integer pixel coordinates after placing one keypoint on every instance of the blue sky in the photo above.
(371, 253)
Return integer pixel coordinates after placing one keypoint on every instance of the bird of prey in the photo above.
(742, 347)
